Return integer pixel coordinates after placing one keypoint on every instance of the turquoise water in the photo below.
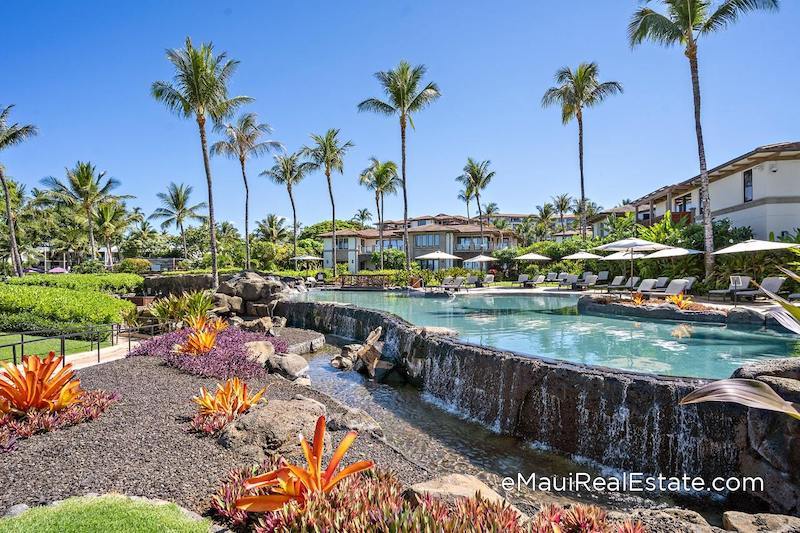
(549, 326)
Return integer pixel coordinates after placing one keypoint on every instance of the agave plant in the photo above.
(38, 385)
(293, 483)
(229, 399)
(681, 301)
(199, 342)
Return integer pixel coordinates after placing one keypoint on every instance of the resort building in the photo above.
(760, 189)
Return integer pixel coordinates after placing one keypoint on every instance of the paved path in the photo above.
(109, 353)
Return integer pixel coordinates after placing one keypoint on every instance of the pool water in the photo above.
(549, 326)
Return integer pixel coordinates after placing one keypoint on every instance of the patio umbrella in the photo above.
(438, 256)
(480, 259)
(623, 256)
(582, 255)
(305, 258)
(754, 245)
(57, 270)
(633, 246)
(672, 252)
(532, 257)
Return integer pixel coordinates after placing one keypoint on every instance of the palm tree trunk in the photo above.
(561, 219)
(16, 260)
(405, 191)
(378, 197)
(110, 257)
(705, 196)
(333, 219)
(468, 210)
(580, 164)
(212, 229)
(246, 218)
(92, 246)
(294, 224)
(480, 215)
(183, 240)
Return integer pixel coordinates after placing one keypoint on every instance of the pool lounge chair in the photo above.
(794, 296)
(647, 285)
(448, 280)
(617, 283)
(675, 287)
(455, 285)
(472, 280)
(602, 277)
(737, 283)
(584, 276)
(488, 279)
(562, 276)
(773, 284)
(588, 283)
(691, 280)
(551, 277)
(536, 281)
(661, 284)
(568, 282)
(522, 279)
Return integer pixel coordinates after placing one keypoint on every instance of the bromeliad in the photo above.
(39, 384)
(199, 342)
(229, 399)
(293, 483)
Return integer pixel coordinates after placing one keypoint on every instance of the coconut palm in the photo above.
(362, 216)
(199, 90)
(405, 96)
(327, 153)
(289, 170)
(176, 210)
(683, 23)
(243, 141)
(491, 209)
(562, 204)
(84, 190)
(10, 135)
(466, 195)
(380, 177)
(273, 229)
(545, 214)
(576, 91)
(112, 219)
(477, 176)
(585, 209)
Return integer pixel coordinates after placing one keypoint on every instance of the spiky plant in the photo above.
(38, 385)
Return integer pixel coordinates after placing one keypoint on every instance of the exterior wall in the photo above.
(350, 254)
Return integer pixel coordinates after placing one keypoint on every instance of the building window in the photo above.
(748, 185)
(392, 243)
(471, 243)
(429, 264)
(342, 244)
(426, 241)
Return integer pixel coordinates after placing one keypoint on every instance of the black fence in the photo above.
(42, 341)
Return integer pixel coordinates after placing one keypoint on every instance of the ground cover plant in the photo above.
(121, 283)
(29, 307)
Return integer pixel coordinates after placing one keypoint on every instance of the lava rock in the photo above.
(353, 419)
(260, 351)
(757, 523)
(289, 365)
(16, 510)
(236, 304)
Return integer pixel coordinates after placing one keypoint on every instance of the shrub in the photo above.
(393, 258)
(134, 265)
(229, 400)
(45, 307)
(113, 283)
(93, 266)
(175, 308)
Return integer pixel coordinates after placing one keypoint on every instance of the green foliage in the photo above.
(92, 266)
(401, 277)
(393, 258)
(48, 305)
(120, 283)
(313, 231)
(175, 308)
(134, 265)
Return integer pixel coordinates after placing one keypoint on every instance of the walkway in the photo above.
(107, 354)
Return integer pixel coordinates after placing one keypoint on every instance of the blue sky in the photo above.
(81, 71)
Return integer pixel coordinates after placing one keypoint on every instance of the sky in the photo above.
(81, 71)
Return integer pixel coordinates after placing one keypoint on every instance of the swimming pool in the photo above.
(549, 326)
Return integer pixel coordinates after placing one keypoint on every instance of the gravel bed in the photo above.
(140, 446)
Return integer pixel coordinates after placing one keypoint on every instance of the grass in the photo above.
(41, 347)
(107, 514)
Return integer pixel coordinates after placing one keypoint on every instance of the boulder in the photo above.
(288, 365)
(758, 523)
(278, 321)
(427, 331)
(16, 510)
(345, 359)
(227, 288)
(273, 427)
(258, 309)
(744, 315)
(236, 304)
(260, 351)
(259, 325)
(453, 486)
(221, 300)
(352, 419)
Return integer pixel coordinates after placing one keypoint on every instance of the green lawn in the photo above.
(41, 347)
(107, 514)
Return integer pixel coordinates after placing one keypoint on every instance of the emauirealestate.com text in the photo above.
(631, 482)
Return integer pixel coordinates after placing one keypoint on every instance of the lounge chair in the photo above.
(536, 281)
(568, 282)
(616, 284)
(588, 283)
(551, 277)
(631, 284)
(562, 276)
(602, 277)
(675, 287)
(585, 275)
(661, 284)
(794, 296)
(456, 284)
(647, 285)
(471, 280)
(448, 280)
(522, 279)
(772, 284)
(488, 279)
(737, 283)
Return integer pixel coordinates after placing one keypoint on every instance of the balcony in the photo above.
(687, 216)
(475, 247)
(376, 248)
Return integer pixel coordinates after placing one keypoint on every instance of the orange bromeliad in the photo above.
(680, 300)
(198, 342)
(203, 323)
(230, 399)
(38, 385)
(293, 483)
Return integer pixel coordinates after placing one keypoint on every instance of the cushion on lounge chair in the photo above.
(617, 282)
(551, 276)
(602, 276)
(523, 278)
(488, 278)
(647, 285)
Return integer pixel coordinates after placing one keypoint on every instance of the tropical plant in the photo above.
(292, 483)
(621, 227)
(229, 399)
(198, 342)
(242, 141)
(380, 177)
(84, 190)
(114, 283)
(490, 209)
(684, 23)
(562, 205)
(577, 90)
(112, 220)
(477, 176)
(176, 210)
(466, 195)
(748, 392)
(169, 309)
(272, 229)
(638, 299)
(197, 303)
(681, 301)
(12, 134)
(289, 170)
(38, 385)
(199, 90)
(362, 216)
(327, 153)
(584, 210)
(404, 98)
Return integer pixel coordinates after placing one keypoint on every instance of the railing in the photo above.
(676, 216)
(376, 248)
(96, 335)
(365, 281)
(474, 247)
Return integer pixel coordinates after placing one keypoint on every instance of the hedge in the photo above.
(114, 283)
(26, 307)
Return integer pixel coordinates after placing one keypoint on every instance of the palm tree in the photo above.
(585, 209)
(477, 176)
(578, 90)
(491, 209)
(272, 229)
(404, 98)
(289, 170)
(466, 195)
(175, 210)
(199, 89)
(362, 216)
(545, 214)
(242, 141)
(84, 190)
(684, 23)
(380, 177)
(11, 134)
(328, 153)
(112, 220)
(562, 204)
(143, 231)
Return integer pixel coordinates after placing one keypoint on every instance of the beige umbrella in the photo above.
(632, 246)
(480, 259)
(672, 252)
(438, 256)
(754, 245)
(623, 256)
(532, 257)
(577, 256)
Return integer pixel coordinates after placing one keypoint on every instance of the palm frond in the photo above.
(730, 10)
(649, 24)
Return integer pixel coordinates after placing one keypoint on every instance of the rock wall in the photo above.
(619, 419)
